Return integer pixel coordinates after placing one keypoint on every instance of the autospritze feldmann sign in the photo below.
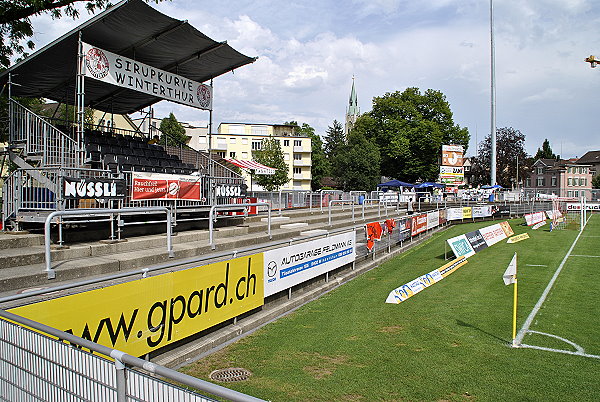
(121, 71)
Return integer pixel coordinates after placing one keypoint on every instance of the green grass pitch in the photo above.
(450, 342)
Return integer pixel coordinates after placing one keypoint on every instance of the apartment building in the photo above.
(238, 140)
(564, 178)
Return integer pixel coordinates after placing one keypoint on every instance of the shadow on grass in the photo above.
(466, 324)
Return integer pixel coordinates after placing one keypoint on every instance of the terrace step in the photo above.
(81, 261)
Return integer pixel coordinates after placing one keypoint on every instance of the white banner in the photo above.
(481, 211)
(291, 265)
(433, 219)
(536, 217)
(453, 214)
(123, 72)
(492, 234)
(589, 206)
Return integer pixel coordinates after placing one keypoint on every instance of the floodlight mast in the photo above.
(593, 60)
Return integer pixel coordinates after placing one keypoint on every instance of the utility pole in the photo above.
(493, 97)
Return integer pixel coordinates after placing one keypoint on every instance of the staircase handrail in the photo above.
(66, 145)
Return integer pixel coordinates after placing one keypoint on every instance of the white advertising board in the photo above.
(291, 265)
(114, 69)
(454, 214)
(589, 206)
(481, 211)
(433, 219)
(460, 246)
(492, 234)
(536, 217)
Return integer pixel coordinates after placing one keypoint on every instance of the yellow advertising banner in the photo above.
(518, 238)
(142, 315)
(467, 214)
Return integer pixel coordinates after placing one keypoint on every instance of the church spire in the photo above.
(352, 111)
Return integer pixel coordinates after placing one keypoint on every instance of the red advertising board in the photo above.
(158, 186)
(419, 224)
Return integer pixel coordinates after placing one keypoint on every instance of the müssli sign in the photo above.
(139, 316)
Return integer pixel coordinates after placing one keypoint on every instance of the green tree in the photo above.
(271, 155)
(334, 139)
(356, 164)
(173, 131)
(545, 152)
(596, 181)
(409, 129)
(319, 164)
(510, 150)
(16, 27)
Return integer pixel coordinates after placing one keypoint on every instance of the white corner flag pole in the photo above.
(510, 276)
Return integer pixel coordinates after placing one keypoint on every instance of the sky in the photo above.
(308, 52)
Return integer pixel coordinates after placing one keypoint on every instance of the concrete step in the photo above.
(94, 259)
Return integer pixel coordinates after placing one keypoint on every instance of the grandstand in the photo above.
(160, 58)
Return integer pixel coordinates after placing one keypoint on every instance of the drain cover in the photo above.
(230, 375)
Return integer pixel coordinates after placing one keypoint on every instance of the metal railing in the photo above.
(41, 139)
(94, 212)
(212, 217)
(43, 363)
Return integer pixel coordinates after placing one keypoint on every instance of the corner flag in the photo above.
(510, 275)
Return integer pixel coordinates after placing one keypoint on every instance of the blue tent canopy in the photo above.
(495, 186)
(429, 184)
(395, 183)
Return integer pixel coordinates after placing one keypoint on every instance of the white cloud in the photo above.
(308, 52)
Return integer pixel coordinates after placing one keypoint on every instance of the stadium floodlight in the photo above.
(592, 60)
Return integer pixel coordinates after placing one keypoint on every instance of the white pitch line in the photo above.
(578, 348)
(587, 256)
(542, 298)
(535, 265)
(568, 352)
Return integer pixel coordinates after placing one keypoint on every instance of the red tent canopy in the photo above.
(254, 167)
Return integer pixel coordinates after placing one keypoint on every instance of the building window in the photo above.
(236, 129)
(540, 170)
(232, 140)
(528, 182)
(569, 182)
(297, 157)
(569, 193)
(256, 145)
(221, 154)
(575, 193)
(245, 141)
(554, 182)
(232, 155)
(286, 157)
(297, 184)
(540, 182)
(244, 155)
(297, 143)
(260, 130)
(286, 143)
(297, 170)
(584, 182)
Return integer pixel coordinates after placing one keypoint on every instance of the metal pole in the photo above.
(121, 380)
(210, 166)
(493, 96)
(80, 98)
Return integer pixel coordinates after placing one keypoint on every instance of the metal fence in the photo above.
(41, 139)
(45, 364)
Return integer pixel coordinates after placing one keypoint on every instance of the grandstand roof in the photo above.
(132, 29)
